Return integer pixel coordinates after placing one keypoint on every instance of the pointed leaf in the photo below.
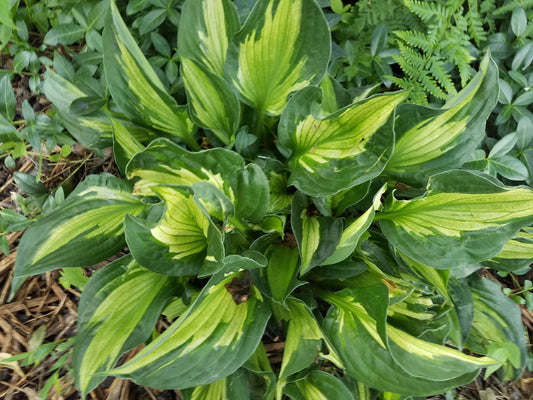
(206, 27)
(252, 193)
(434, 140)
(7, 99)
(216, 336)
(125, 146)
(212, 102)
(386, 358)
(343, 149)
(135, 86)
(516, 254)
(282, 270)
(109, 326)
(465, 218)
(86, 229)
(283, 47)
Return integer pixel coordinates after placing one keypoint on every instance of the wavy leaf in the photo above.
(210, 342)
(135, 86)
(109, 326)
(341, 150)
(465, 218)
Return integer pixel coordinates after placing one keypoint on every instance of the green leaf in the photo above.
(283, 47)
(108, 326)
(206, 28)
(65, 34)
(86, 105)
(150, 21)
(184, 242)
(465, 218)
(216, 336)
(7, 99)
(318, 385)
(135, 86)
(518, 21)
(252, 196)
(516, 254)
(434, 140)
(7, 10)
(303, 340)
(282, 271)
(510, 167)
(86, 229)
(212, 102)
(386, 358)
(353, 232)
(317, 236)
(343, 149)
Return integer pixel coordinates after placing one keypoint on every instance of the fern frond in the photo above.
(431, 86)
(442, 76)
(425, 10)
(475, 23)
(511, 5)
(416, 39)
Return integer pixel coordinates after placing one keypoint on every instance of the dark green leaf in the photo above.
(7, 99)
(64, 34)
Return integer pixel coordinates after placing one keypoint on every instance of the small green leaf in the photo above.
(65, 34)
(525, 99)
(151, 20)
(518, 21)
(510, 168)
(7, 99)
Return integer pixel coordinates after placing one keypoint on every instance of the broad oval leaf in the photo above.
(108, 326)
(386, 358)
(135, 86)
(210, 342)
(206, 28)
(283, 47)
(434, 140)
(86, 229)
(212, 102)
(465, 218)
(341, 150)
(184, 242)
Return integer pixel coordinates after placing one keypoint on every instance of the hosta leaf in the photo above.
(165, 163)
(353, 232)
(135, 86)
(125, 146)
(107, 325)
(283, 46)
(465, 218)
(206, 28)
(184, 242)
(341, 150)
(317, 236)
(516, 254)
(497, 320)
(318, 385)
(386, 358)
(210, 342)
(282, 270)
(93, 130)
(86, 229)
(7, 99)
(434, 140)
(303, 341)
(212, 102)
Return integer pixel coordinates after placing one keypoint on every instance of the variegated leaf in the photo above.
(353, 232)
(206, 28)
(184, 242)
(387, 358)
(86, 229)
(341, 150)
(465, 218)
(125, 146)
(317, 236)
(303, 341)
(318, 385)
(283, 47)
(216, 336)
(212, 102)
(516, 254)
(136, 88)
(108, 326)
(434, 140)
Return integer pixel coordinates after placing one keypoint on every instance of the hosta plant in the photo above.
(273, 207)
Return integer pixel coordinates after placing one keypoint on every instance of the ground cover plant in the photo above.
(259, 199)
